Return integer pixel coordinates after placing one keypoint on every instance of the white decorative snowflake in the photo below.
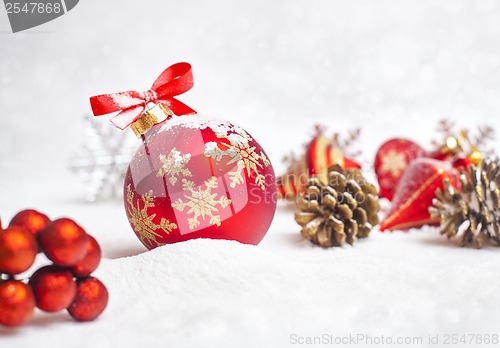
(102, 160)
(201, 203)
(174, 165)
(394, 163)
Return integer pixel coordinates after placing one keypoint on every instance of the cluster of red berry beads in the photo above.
(65, 284)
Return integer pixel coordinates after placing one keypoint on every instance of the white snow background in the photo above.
(277, 68)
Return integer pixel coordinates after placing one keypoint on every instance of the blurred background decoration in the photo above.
(102, 160)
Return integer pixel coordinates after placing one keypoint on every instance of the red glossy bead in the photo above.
(90, 301)
(54, 288)
(18, 249)
(16, 303)
(31, 220)
(195, 177)
(64, 242)
(89, 263)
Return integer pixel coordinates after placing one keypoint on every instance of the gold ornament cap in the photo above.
(149, 118)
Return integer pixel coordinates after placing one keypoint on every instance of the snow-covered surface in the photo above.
(275, 68)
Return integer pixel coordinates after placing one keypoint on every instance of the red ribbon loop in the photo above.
(175, 80)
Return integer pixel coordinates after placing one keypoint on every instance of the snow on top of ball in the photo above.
(217, 125)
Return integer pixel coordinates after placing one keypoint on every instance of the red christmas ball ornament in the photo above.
(54, 288)
(392, 160)
(195, 177)
(415, 192)
(64, 242)
(90, 301)
(90, 262)
(192, 177)
(31, 220)
(17, 303)
(18, 249)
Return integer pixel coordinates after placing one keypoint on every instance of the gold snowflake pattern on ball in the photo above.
(394, 163)
(201, 203)
(143, 223)
(241, 153)
(174, 165)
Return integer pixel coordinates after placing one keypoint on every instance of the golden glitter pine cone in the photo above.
(473, 212)
(341, 210)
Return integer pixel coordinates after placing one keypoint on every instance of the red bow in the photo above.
(175, 80)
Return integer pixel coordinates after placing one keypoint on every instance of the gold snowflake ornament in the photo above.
(174, 165)
(201, 202)
(241, 153)
(143, 222)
